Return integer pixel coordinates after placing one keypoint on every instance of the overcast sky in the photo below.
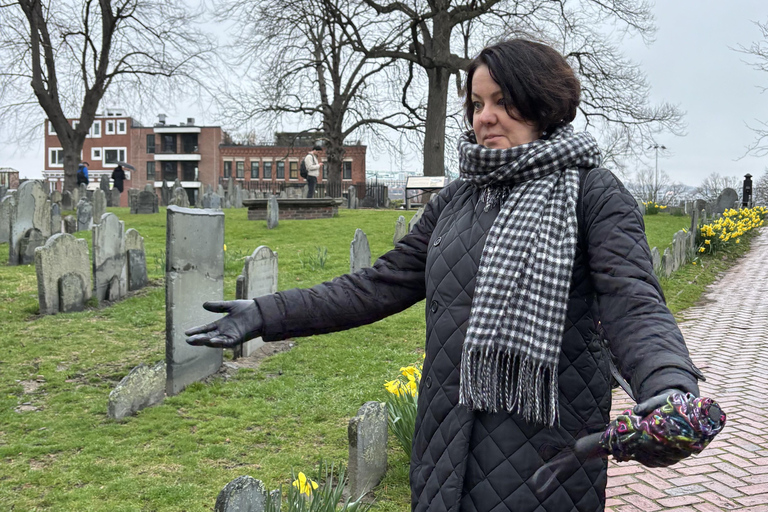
(691, 64)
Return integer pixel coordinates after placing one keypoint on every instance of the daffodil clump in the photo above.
(729, 229)
(652, 207)
(306, 495)
(402, 397)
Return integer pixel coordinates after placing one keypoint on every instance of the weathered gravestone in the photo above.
(212, 201)
(367, 434)
(640, 206)
(416, 218)
(180, 198)
(104, 184)
(220, 191)
(83, 192)
(70, 224)
(230, 190)
(726, 200)
(63, 274)
(7, 207)
(680, 249)
(656, 260)
(273, 213)
(84, 215)
(143, 387)
(149, 187)
(66, 201)
(145, 203)
(136, 260)
(668, 262)
(30, 224)
(399, 229)
(3, 191)
(359, 252)
(259, 278)
(109, 268)
(243, 494)
(113, 198)
(238, 200)
(194, 273)
(352, 198)
(75, 197)
(55, 218)
(165, 193)
(99, 204)
(56, 197)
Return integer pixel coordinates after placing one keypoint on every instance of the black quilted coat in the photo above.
(473, 461)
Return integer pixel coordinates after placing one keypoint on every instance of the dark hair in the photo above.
(317, 147)
(534, 79)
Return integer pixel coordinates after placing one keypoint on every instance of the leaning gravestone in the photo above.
(7, 207)
(63, 274)
(136, 260)
(726, 200)
(243, 494)
(66, 201)
(55, 219)
(109, 269)
(359, 252)
(99, 204)
(259, 278)
(30, 221)
(194, 271)
(143, 387)
(399, 229)
(367, 434)
(273, 213)
(415, 219)
(84, 215)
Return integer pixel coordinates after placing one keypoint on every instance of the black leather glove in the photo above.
(242, 323)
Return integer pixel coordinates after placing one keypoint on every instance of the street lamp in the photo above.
(657, 147)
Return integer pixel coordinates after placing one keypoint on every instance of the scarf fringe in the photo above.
(496, 378)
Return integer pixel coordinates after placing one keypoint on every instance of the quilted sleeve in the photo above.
(394, 283)
(643, 334)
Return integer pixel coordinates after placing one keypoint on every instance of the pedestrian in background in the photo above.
(118, 177)
(313, 165)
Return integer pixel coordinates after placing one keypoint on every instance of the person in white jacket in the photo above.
(313, 165)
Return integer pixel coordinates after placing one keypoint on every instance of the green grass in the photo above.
(660, 228)
(283, 417)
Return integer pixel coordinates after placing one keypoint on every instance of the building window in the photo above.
(254, 170)
(150, 171)
(267, 170)
(51, 129)
(96, 129)
(346, 170)
(189, 143)
(114, 155)
(169, 143)
(56, 157)
(189, 171)
(95, 153)
(227, 169)
(169, 171)
(121, 127)
(280, 173)
(240, 169)
(150, 143)
(75, 124)
(293, 170)
(110, 127)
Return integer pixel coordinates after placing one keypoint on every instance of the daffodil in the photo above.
(304, 484)
(225, 247)
(706, 242)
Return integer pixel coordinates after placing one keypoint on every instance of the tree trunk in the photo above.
(434, 132)
(71, 161)
(334, 153)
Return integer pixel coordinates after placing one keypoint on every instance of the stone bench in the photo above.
(295, 208)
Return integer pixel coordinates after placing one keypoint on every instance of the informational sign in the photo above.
(426, 182)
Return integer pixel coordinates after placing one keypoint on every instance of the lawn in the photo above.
(59, 450)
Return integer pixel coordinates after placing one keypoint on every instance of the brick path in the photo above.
(728, 340)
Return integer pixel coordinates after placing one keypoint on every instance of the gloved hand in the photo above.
(648, 406)
(242, 323)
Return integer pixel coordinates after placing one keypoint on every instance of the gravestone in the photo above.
(400, 231)
(109, 268)
(180, 198)
(104, 184)
(55, 218)
(220, 191)
(113, 199)
(238, 197)
(230, 190)
(84, 215)
(359, 252)
(133, 196)
(165, 193)
(694, 220)
(273, 213)
(367, 434)
(212, 201)
(63, 274)
(149, 187)
(667, 262)
(726, 200)
(75, 197)
(31, 240)
(66, 201)
(208, 188)
(416, 218)
(7, 207)
(640, 206)
(176, 184)
(352, 198)
(194, 273)
(146, 203)
(30, 220)
(56, 197)
(3, 191)
(259, 278)
(143, 387)
(680, 249)
(243, 494)
(82, 192)
(656, 259)
(136, 260)
(70, 224)
(99, 204)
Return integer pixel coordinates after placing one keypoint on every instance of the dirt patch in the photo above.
(230, 368)
(30, 386)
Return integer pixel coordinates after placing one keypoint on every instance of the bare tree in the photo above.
(757, 52)
(714, 184)
(760, 190)
(72, 52)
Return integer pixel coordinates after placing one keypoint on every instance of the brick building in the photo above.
(9, 178)
(195, 155)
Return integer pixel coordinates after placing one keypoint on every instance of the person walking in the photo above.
(118, 177)
(531, 263)
(313, 165)
(82, 174)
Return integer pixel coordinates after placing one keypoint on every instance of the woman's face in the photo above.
(494, 127)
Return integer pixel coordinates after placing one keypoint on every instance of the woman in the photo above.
(518, 261)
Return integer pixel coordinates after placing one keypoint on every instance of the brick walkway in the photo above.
(728, 339)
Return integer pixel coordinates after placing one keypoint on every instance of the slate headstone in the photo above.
(63, 274)
(415, 219)
(143, 387)
(104, 184)
(99, 204)
(55, 218)
(667, 262)
(56, 197)
(400, 230)
(367, 434)
(180, 198)
(220, 191)
(230, 190)
(31, 240)
(694, 220)
(84, 215)
(114, 198)
(359, 252)
(147, 203)
(31, 213)
(109, 268)
(259, 278)
(149, 187)
(243, 494)
(273, 213)
(726, 200)
(136, 260)
(238, 197)
(66, 201)
(7, 207)
(656, 259)
(194, 271)
(75, 197)
(352, 198)
(70, 224)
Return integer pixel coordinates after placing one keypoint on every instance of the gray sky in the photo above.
(690, 64)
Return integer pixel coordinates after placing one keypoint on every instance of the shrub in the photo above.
(401, 405)
(653, 208)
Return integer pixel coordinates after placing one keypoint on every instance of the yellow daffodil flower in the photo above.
(304, 484)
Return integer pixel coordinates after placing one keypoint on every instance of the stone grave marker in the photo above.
(104, 184)
(194, 273)
(352, 198)
(273, 213)
(220, 191)
(230, 190)
(113, 198)
(63, 274)
(165, 193)
(30, 222)
(7, 207)
(109, 268)
(143, 387)
(146, 203)
(359, 252)
(84, 215)
(238, 197)
(415, 219)
(70, 224)
(259, 278)
(82, 191)
(367, 448)
(66, 201)
(55, 218)
(56, 197)
(640, 206)
(75, 197)
(680, 249)
(726, 200)
(243, 494)
(3, 191)
(99, 204)
(32, 240)
(136, 260)
(656, 259)
(180, 198)
(667, 262)
(149, 187)
(400, 230)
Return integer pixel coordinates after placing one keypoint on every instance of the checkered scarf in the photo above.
(512, 346)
